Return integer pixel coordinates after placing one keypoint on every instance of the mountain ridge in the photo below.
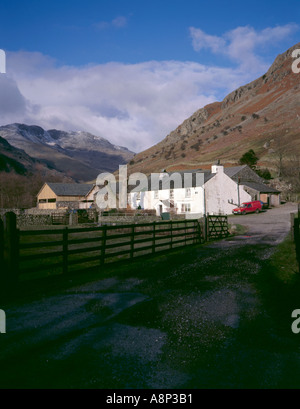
(254, 116)
(77, 154)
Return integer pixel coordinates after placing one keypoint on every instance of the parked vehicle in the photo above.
(249, 207)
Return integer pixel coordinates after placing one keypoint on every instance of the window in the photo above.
(156, 194)
(187, 192)
(51, 200)
(185, 207)
(42, 201)
(171, 193)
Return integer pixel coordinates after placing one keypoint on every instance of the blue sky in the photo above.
(133, 70)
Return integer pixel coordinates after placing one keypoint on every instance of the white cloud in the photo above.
(118, 22)
(12, 102)
(243, 45)
(133, 105)
(202, 40)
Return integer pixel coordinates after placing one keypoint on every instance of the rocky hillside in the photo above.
(263, 115)
(78, 155)
(15, 160)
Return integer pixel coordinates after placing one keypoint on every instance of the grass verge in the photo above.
(279, 285)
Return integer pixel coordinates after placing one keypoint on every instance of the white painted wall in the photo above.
(219, 190)
(153, 200)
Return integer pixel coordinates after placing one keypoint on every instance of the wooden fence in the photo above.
(30, 254)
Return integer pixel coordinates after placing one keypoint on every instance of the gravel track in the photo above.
(185, 320)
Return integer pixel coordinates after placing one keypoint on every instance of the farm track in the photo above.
(192, 318)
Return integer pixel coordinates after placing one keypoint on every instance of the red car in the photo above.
(249, 207)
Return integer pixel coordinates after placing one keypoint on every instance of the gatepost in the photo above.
(9, 274)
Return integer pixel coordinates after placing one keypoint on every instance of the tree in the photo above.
(280, 153)
(264, 173)
(249, 158)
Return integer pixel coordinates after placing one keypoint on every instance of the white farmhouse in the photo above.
(216, 191)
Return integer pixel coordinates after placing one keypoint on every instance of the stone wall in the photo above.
(27, 218)
(127, 219)
(30, 217)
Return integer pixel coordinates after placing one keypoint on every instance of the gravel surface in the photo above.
(189, 319)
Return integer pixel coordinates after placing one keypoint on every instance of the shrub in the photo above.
(264, 173)
(249, 158)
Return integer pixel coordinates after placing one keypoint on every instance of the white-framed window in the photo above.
(155, 194)
(188, 192)
(171, 193)
(185, 207)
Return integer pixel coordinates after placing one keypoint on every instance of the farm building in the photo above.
(221, 190)
(66, 196)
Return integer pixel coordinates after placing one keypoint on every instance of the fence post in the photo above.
(10, 249)
(1, 242)
(205, 227)
(153, 243)
(104, 234)
(132, 241)
(199, 235)
(292, 215)
(65, 250)
(171, 234)
(297, 240)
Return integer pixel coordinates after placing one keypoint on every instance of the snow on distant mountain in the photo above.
(79, 155)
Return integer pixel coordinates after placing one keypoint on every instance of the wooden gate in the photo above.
(217, 227)
(59, 218)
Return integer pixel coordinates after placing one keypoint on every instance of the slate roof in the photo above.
(260, 187)
(233, 170)
(70, 189)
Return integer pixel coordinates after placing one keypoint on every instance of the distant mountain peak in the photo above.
(81, 155)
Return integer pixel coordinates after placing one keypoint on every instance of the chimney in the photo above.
(217, 168)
